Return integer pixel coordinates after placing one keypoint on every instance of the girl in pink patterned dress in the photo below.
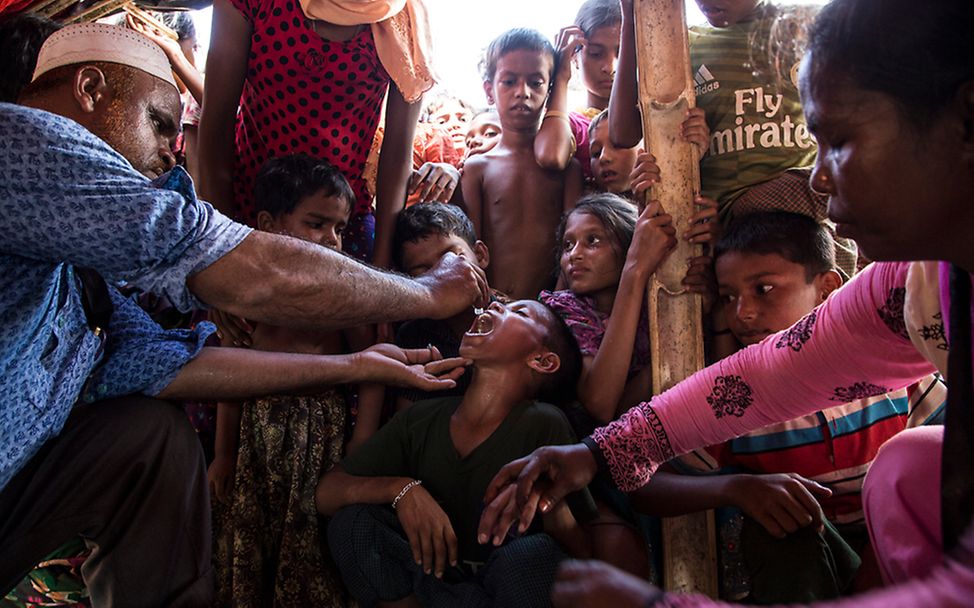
(608, 254)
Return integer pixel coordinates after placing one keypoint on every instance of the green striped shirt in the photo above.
(755, 119)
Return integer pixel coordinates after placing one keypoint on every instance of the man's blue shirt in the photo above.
(68, 199)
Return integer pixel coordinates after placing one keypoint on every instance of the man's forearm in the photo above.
(284, 281)
(240, 373)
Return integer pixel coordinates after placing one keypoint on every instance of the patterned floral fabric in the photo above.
(856, 348)
(271, 550)
(55, 582)
(588, 325)
(66, 199)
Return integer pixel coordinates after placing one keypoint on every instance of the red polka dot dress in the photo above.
(304, 94)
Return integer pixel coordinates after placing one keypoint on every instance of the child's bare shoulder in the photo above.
(475, 165)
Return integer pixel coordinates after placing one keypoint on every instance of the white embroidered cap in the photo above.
(87, 42)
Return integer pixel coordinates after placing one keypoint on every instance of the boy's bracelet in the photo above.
(405, 490)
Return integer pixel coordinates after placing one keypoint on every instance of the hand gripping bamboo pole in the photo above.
(675, 318)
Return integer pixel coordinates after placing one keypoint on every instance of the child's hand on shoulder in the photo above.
(568, 43)
(435, 182)
(645, 173)
(652, 241)
(694, 130)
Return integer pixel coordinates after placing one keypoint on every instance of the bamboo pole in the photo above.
(675, 318)
(100, 9)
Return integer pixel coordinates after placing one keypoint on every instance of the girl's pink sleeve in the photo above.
(852, 346)
(948, 585)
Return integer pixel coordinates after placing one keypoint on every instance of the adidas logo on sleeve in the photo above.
(706, 83)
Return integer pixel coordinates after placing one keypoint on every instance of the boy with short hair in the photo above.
(803, 530)
(483, 133)
(514, 204)
(423, 234)
(432, 463)
(611, 165)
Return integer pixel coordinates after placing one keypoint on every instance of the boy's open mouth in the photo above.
(482, 325)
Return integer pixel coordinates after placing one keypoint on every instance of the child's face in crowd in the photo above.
(318, 219)
(520, 87)
(725, 13)
(590, 260)
(611, 166)
(598, 60)
(454, 118)
(508, 333)
(419, 256)
(483, 133)
(765, 293)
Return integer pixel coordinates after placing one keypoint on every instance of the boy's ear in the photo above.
(544, 362)
(482, 253)
(489, 90)
(827, 282)
(265, 222)
(90, 87)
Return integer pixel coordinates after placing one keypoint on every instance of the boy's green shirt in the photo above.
(416, 443)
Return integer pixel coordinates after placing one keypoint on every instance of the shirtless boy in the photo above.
(514, 204)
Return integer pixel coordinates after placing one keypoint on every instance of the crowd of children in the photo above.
(362, 494)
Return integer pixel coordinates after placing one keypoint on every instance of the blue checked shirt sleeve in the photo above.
(140, 356)
(67, 196)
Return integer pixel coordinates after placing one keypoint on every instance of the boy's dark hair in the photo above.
(283, 181)
(795, 237)
(599, 119)
(422, 220)
(433, 106)
(480, 113)
(180, 22)
(517, 39)
(560, 388)
(21, 38)
(594, 14)
(617, 214)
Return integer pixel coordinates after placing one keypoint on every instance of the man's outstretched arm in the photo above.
(283, 281)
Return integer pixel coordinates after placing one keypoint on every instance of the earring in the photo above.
(822, 179)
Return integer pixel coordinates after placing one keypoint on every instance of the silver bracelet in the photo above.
(405, 490)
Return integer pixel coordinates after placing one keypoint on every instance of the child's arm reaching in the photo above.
(781, 503)
(222, 470)
(370, 395)
(555, 143)
(186, 71)
(425, 524)
(395, 167)
(625, 124)
(603, 378)
(472, 184)
(561, 525)
(228, 57)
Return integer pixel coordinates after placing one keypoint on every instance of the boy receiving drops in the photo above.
(432, 463)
